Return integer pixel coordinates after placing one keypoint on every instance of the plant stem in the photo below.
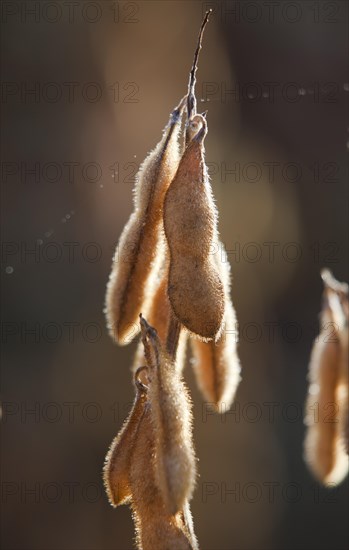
(191, 100)
(172, 339)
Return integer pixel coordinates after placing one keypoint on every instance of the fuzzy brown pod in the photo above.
(156, 528)
(172, 422)
(130, 478)
(195, 289)
(327, 401)
(140, 247)
(346, 430)
(339, 303)
(117, 463)
(216, 364)
(160, 309)
(159, 316)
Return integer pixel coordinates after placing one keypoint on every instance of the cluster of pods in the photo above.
(170, 285)
(170, 281)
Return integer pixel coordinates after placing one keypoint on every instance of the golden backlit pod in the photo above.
(346, 430)
(338, 298)
(118, 460)
(327, 401)
(175, 469)
(156, 529)
(129, 477)
(343, 389)
(321, 443)
(216, 364)
(140, 247)
(195, 289)
(159, 317)
(160, 309)
(179, 361)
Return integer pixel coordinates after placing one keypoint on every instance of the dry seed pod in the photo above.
(338, 297)
(321, 441)
(343, 390)
(187, 520)
(216, 364)
(346, 429)
(159, 317)
(118, 460)
(129, 477)
(326, 404)
(139, 250)
(180, 353)
(172, 422)
(195, 289)
(159, 312)
(156, 529)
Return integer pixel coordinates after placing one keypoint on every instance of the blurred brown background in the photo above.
(86, 89)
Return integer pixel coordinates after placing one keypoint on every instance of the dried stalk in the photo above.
(191, 98)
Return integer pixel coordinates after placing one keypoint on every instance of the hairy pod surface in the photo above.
(340, 306)
(160, 310)
(140, 247)
(156, 529)
(159, 317)
(195, 289)
(130, 478)
(337, 297)
(118, 460)
(346, 429)
(343, 391)
(179, 361)
(172, 423)
(216, 364)
(324, 446)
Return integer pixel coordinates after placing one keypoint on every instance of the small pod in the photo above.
(324, 445)
(118, 460)
(339, 302)
(159, 317)
(140, 247)
(343, 389)
(346, 429)
(216, 364)
(337, 294)
(156, 529)
(160, 310)
(172, 423)
(195, 289)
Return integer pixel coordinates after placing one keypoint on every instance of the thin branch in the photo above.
(191, 100)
